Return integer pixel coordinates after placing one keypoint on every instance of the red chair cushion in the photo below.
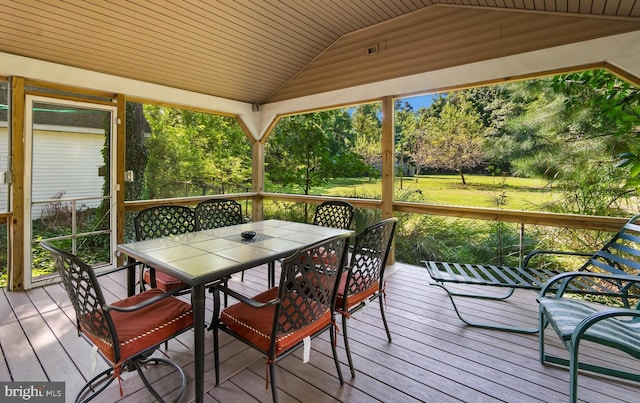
(164, 281)
(353, 299)
(328, 258)
(255, 324)
(144, 328)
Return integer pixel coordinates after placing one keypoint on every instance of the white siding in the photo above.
(67, 162)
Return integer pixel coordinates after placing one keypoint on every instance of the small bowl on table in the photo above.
(247, 234)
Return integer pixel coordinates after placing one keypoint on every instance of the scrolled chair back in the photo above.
(216, 213)
(160, 221)
(335, 214)
(81, 285)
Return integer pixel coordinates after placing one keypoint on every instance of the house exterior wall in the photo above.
(66, 162)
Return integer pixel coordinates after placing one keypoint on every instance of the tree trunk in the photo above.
(464, 182)
(136, 159)
(136, 152)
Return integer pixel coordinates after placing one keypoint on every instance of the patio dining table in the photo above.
(202, 257)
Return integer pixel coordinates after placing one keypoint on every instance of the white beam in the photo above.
(34, 69)
(620, 50)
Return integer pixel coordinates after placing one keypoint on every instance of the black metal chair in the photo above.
(277, 321)
(156, 222)
(335, 214)
(216, 213)
(363, 279)
(125, 332)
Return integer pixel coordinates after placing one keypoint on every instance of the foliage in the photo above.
(452, 140)
(406, 131)
(424, 237)
(307, 150)
(615, 106)
(590, 186)
(136, 152)
(194, 149)
(420, 237)
(367, 128)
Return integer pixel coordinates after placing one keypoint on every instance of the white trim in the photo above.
(14, 65)
(28, 175)
(68, 129)
(620, 50)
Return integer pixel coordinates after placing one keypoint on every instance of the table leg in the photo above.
(131, 278)
(271, 275)
(197, 302)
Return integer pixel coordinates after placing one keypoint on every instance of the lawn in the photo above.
(479, 191)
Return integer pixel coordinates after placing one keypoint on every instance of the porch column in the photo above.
(257, 179)
(121, 152)
(388, 162)
(15, 271)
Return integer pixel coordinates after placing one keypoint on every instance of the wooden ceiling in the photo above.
(260, 51)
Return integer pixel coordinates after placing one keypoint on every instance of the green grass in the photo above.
(480, 191)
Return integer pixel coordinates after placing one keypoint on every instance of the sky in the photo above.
(416, 102)
(419, 101)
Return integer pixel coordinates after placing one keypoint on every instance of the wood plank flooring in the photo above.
(433, 356)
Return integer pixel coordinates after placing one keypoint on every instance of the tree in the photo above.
(616, 111)
(406, 127)
(194, 149)
(136, 152)
(368, 135)
(452, 140)
(135, 159)
(304, 151)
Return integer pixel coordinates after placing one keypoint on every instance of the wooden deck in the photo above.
(433, 356)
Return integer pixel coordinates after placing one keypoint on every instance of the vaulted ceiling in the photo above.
(261, 51)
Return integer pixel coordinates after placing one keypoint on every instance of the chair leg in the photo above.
(274, 387)
(483, 325)
(214, 317)
(541, 335)
(333, 340)
(141, 276)
(271, 274)
(226, 283)
(138, 366)
(384, 318)
(216, 355)
(573, 372)
(108, 378)
(346, 345)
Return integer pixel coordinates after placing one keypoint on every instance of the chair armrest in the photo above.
(531, 254)
(564, 278)
(143, 304)
(599, 316)
(242, 298)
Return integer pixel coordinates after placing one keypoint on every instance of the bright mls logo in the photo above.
(41, 392)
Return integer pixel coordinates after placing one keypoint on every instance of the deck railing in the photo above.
(521, 217)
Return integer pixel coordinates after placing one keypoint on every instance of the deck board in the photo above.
(433, 356)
